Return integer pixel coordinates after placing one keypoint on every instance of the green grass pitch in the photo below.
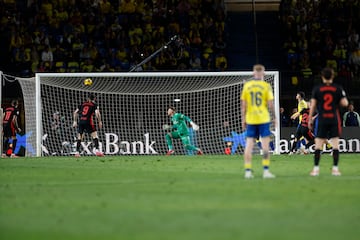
(177, 197)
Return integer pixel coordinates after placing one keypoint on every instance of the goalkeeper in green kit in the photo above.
(180, 130)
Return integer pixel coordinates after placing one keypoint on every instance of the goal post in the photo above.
(134, 109)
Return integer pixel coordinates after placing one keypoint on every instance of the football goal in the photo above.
(134, 109)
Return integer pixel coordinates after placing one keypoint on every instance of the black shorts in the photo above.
(328, 130)
(86, 127)
(9, 131)
(305, 132)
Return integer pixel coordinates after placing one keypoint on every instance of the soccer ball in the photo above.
(88, 82)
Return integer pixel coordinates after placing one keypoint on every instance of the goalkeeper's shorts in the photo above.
(176, 134)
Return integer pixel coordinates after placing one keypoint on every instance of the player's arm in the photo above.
(302, 105)
(344, 102)
(315, 116)
(75, 116)
(270, 104)
(98, 117)
(16, 124)
(193, 125)
(358, 117)
(344, 119)
(243, 114)
(313, 103)
(295, 115)
(271, 107)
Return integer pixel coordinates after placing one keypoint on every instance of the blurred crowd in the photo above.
(114, 35)
(319, 33)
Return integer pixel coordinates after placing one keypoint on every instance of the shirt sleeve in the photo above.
(187, 119)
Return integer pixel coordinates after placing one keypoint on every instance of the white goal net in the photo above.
(134, 109)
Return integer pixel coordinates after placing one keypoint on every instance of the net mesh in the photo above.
(134, 109)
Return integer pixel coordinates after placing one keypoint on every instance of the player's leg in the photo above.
(169, 136)
(5, 146)
(95, 139)
(335, 153)
(13, 139)
(192, 141)
(248, 157)
(320, 132)
(319, 141)
(6, 140)
(13, 146)
(310, 139)
(80, 137)
(309, 143)
(187, 145)
(265, 143)
(251, 134)
(334, 135)
(78, 144)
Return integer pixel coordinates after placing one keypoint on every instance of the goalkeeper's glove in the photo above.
(194, 126)
(166, 127)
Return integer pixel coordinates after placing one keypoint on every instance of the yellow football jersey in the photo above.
(301, 105)
(257, 93)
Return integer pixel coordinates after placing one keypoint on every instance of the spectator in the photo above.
(355, 61)
(195, 62)
(221, 62)
(353, 40)
(127, 7)
(103, 25)
(35, 59)
(87, 66)
(351, 118)
(47, 57)
(328, 30)
(47, 7)
(84, 54)
(59, 53)
(344, 75)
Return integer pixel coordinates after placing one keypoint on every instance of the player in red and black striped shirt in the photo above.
(10, 128)
(85, 115)
(326, 99)
(303, 131)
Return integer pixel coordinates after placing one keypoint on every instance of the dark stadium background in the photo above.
(255, 31)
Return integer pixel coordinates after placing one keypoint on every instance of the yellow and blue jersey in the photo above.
(256, 94)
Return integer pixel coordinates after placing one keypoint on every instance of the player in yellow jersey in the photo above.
(256, 100)
(300, 97)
